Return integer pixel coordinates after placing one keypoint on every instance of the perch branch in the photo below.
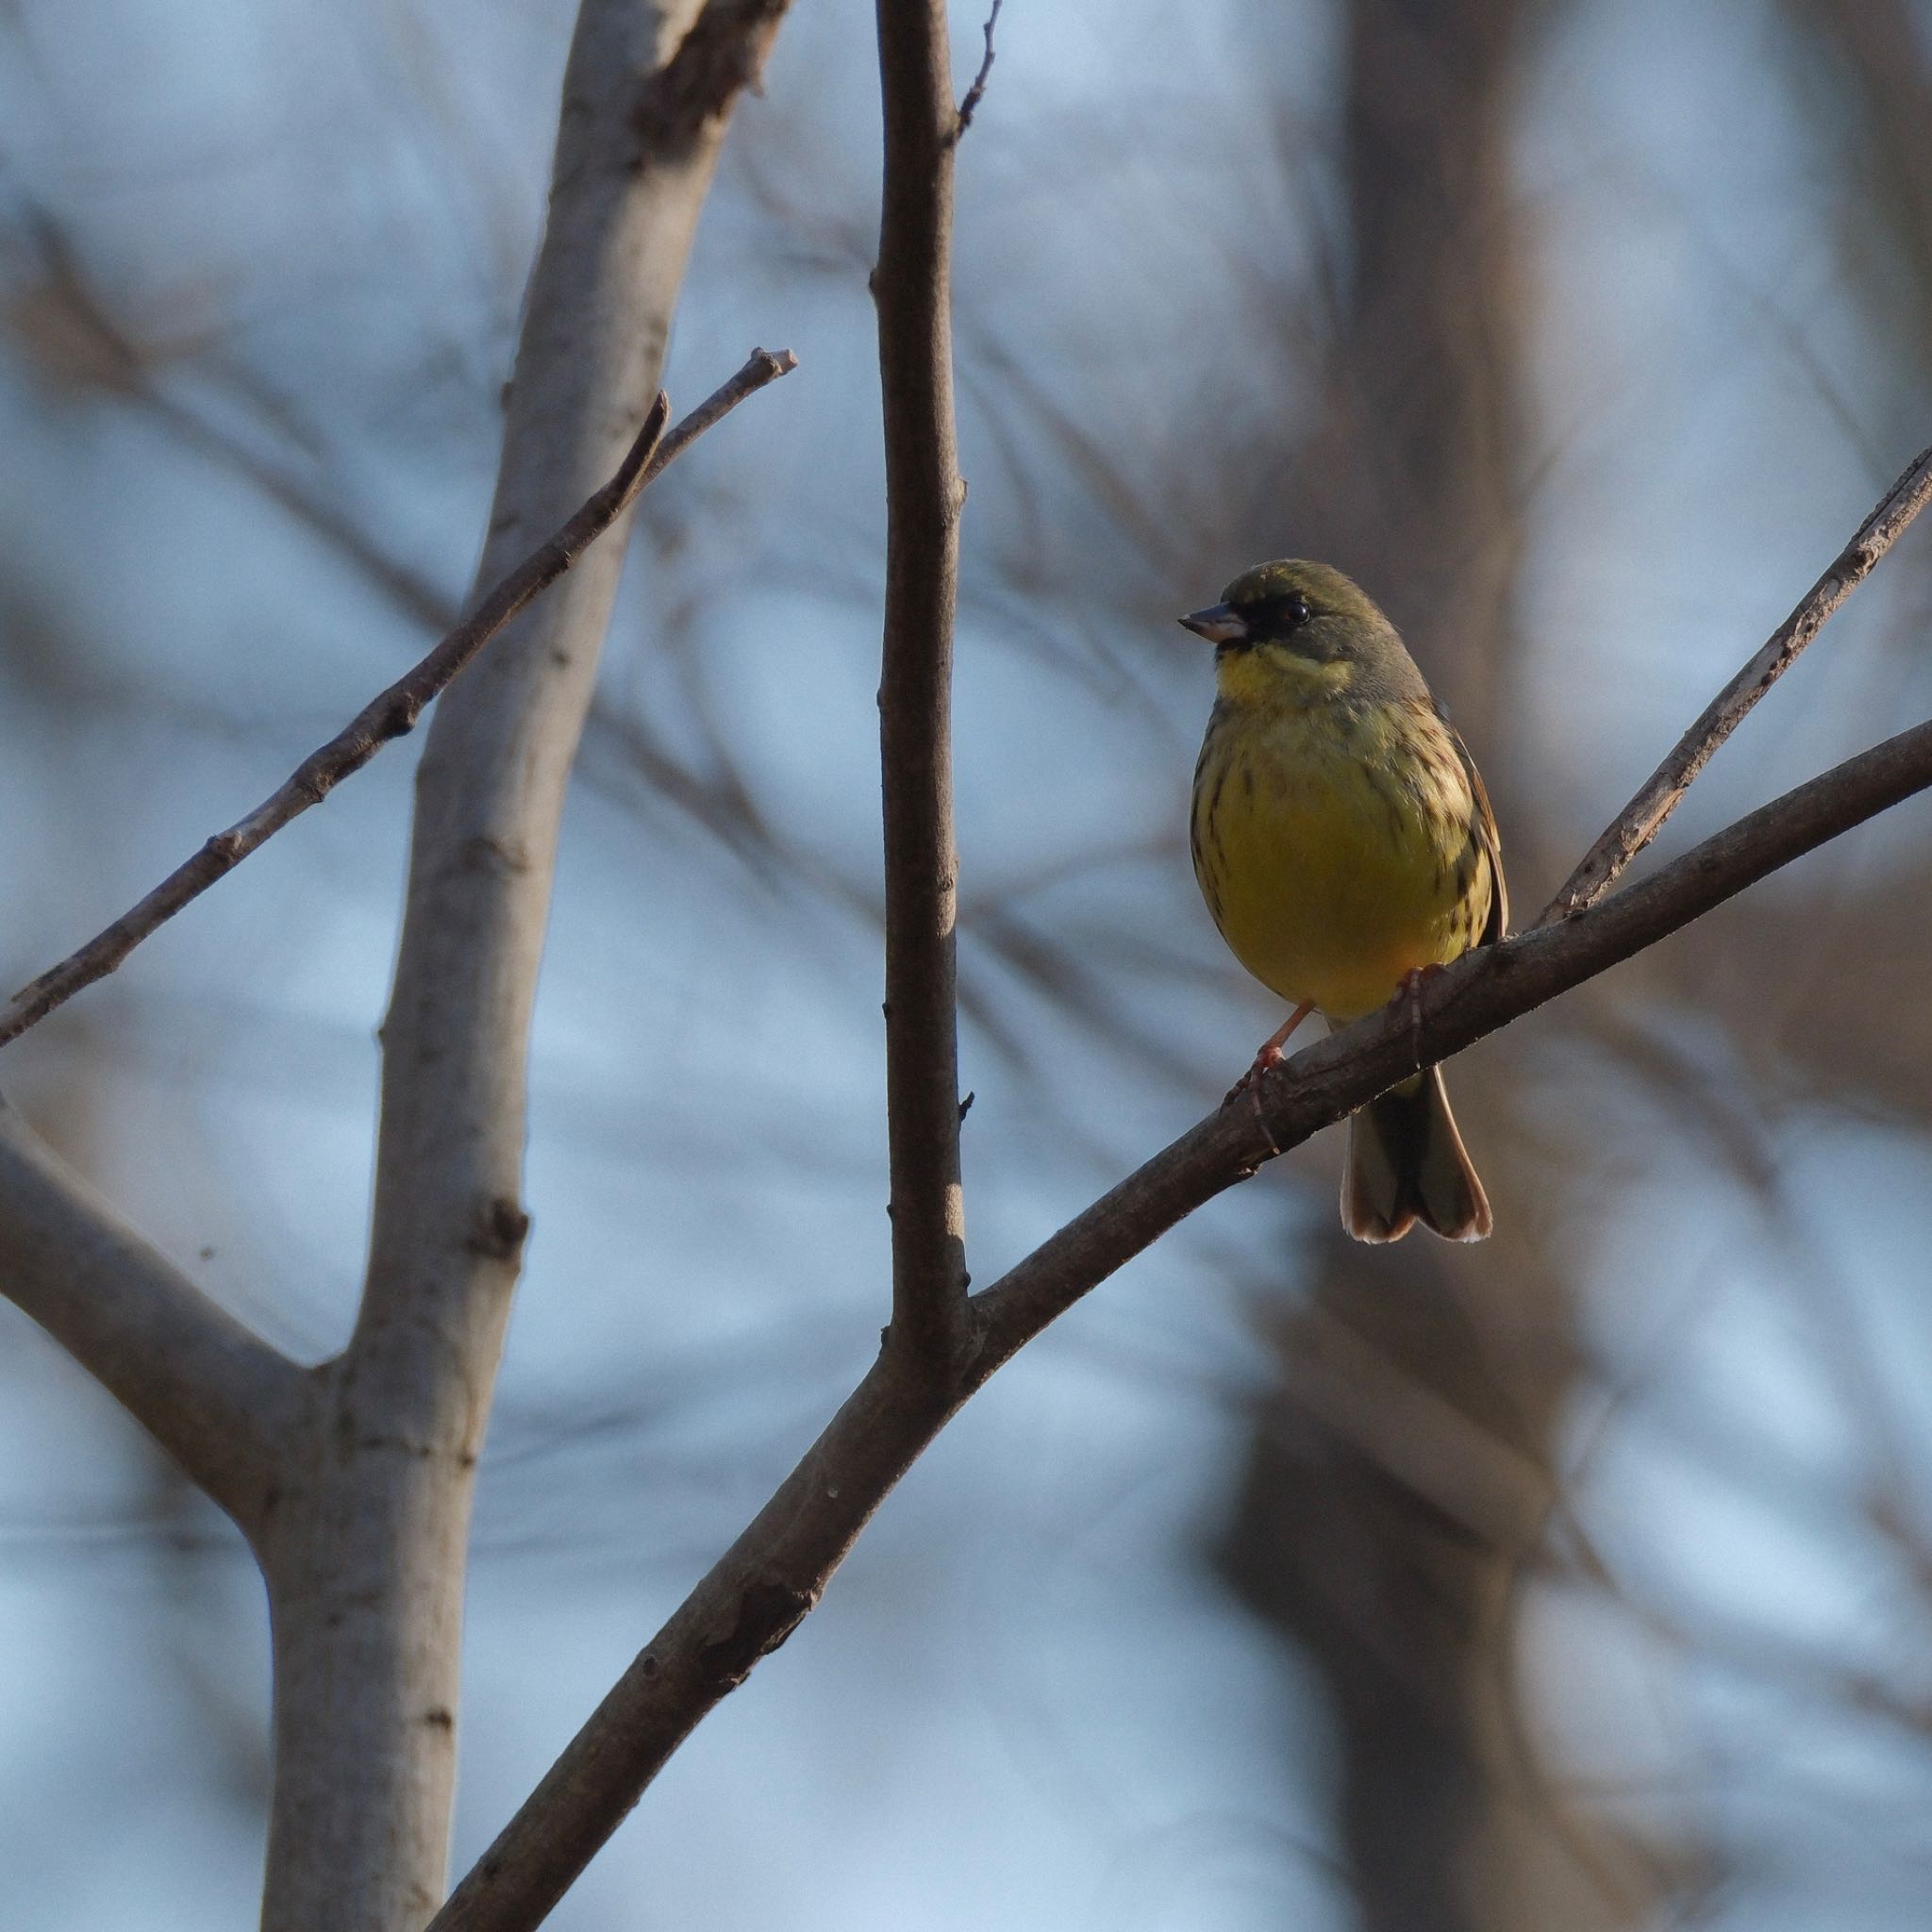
(764, 1585)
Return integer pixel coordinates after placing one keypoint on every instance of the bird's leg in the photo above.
(1409, 987)
(1270, 1055)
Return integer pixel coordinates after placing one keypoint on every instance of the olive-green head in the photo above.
(1292, 624)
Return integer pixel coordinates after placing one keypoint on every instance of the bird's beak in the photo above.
(1220, 623)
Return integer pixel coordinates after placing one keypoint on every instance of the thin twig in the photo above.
(392, 712)
(976, 93)
(772, 1575)
(924, 494)
(1639, 820)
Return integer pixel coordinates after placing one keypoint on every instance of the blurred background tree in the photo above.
(1581, 1579)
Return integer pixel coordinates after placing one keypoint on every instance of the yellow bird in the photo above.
(1345, 847)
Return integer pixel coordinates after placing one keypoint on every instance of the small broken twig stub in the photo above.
(392, 712)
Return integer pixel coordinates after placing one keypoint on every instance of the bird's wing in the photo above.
(1488, 841)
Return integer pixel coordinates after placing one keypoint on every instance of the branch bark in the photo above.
(1640, 820)
(365, 1557)
(210, 1390)
(763, 1586)
(924, 492)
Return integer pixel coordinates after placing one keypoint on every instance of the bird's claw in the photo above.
(1266, 1062)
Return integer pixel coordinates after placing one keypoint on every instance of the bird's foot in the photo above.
(1409, 987)
(1271, 1055)
(1266, 1062)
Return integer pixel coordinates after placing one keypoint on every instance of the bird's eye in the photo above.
(1281, 614)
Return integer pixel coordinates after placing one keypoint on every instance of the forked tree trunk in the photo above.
(365, 1547)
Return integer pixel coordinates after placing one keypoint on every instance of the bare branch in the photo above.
(976, 93)
(924, 495)
(1639, 820)
(393, 712)
(208, 1390)
(774, 1574)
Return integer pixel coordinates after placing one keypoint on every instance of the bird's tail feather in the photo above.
(1407, 1163)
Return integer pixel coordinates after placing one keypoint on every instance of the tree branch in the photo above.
(1639, 820)
(393, 712)
(924, 496)
(767, 1581)
(211, 1391)
(746, 1607)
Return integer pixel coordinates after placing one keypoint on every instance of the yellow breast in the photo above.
(1333, 847)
